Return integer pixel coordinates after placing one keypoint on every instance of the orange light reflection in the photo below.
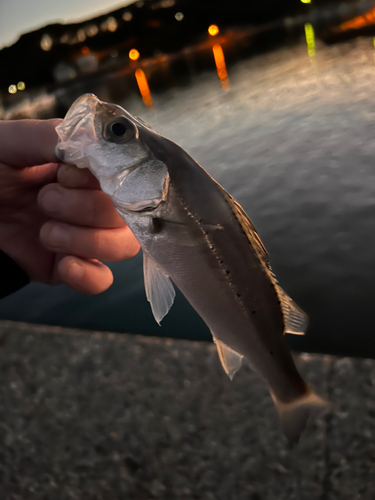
(143, 87)
(220, 65)
(358, 22)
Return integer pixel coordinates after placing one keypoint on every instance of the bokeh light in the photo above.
(134, 54)
(179, 16)
(21, 86)
(12, 89)
(127, 16)
(81, 35)
(92, 30)
(213, 30)
(112, 24)
(46, 42)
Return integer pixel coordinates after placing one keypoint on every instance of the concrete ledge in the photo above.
(106, 416)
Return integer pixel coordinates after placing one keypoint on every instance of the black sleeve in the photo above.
(12, 277)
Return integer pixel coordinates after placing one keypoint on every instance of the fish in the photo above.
(194, 234)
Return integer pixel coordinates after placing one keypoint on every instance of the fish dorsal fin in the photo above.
(230, 360)
(159, 289)
(295, 320)
(250, 231)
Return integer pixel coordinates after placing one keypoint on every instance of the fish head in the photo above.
(104, 138)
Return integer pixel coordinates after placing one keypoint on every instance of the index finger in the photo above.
(25, 143)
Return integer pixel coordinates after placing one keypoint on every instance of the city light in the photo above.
(81, 35)
(134, 54)
(46, 42)
(213, 30)
(306, 1)
(310, 39)
(12, 89)
(164, 4)
(112, 24)
(143, 87)
(220, 66)
(179, 16)
(85, 50)
(127, 16)
(92, 30)
(21, 86)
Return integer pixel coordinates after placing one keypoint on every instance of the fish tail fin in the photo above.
(295, 414)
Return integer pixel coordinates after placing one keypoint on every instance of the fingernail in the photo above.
(75, 271)
(50, 201)
(58, 236)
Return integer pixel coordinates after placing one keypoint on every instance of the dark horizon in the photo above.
(152, 27)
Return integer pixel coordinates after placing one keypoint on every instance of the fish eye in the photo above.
(117, 129)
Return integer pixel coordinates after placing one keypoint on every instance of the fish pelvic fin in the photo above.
(159, 289)
(295, 414)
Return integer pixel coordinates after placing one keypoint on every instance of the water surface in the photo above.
(293, 142)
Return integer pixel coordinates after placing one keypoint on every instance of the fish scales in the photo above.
(192, 231)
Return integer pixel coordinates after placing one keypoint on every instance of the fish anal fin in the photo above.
(159, 289)
(295, 320)
(230, 360)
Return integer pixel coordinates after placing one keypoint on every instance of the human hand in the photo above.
(34, 207)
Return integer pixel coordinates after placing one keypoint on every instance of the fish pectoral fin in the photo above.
(159, 289)
(230, 360)
(295, 320)
(177, 231)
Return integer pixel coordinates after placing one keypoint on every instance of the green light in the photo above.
(310, 39)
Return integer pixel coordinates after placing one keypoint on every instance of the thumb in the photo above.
(25, 143)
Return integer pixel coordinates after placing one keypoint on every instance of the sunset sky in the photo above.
(20, 16)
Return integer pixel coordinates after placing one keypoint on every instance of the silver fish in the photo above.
(194, 233)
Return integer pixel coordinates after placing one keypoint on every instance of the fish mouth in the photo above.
(78, 128)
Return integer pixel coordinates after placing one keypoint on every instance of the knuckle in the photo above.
(96, 246)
